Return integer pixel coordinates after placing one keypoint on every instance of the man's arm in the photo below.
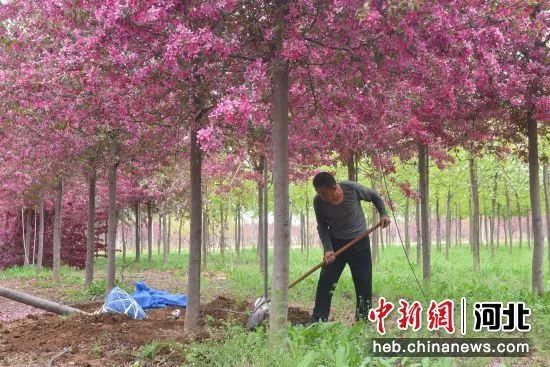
(370, 195)
(322, 227)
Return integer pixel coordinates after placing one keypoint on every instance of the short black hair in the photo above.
(324, 179)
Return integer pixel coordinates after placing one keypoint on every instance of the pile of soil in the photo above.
(297, 316)
(111, 339)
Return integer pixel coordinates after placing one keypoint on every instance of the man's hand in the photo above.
(329, 257)
(385, 221)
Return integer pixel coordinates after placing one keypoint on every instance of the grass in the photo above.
(67, 273)
(327, 344)
(504, 278)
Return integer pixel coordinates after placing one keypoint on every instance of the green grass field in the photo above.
(505, 278)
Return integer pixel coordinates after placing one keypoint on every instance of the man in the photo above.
(340, 219)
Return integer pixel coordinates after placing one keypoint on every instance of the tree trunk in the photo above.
(28, 234)
(302, 234)
(475, 213)
(307, 227)
(204, 237)
(418, 234)
(138, 232)
(25, 249)
(56, 262)
(265, 249)
(222, 232)
(164, 239)
(111, 229)
(486, 225)
(534, 190)
(480, 221)
(505, 228)
(448, 226)
(40, 256)
(470, 227)
(459, 229)
(34, 240)
(149, 232)
(547, 205)
(179, 234)
(37, 302)
(105, 238)
(236, 230)
(279, 311)
(352, 173)
(375, 238)
(239, 230)
(528, 231)
(266, 215)
(290, 228)
(518, 206)
(438, 224)
(381, 239)
(499, 209)
(169, 234)
(260, 246)
(242, 240)
(143, 223)
(192, 313)
(423, 169)
(123, 233)
(90, 238)
(407, 222)
(457, 226)
(376, 234)
(494, 214)
(159, 234)
(507, 220)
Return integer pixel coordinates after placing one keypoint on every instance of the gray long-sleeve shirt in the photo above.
(345, 220)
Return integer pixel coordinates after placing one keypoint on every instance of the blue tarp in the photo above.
(151, 298)
(118, 301)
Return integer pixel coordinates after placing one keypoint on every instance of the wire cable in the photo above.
(399, 235)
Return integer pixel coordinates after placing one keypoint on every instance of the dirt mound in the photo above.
(297, 316)
(110, 339)
(222, 309)
(98, 340)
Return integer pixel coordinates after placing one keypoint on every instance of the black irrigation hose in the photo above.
(400, 238)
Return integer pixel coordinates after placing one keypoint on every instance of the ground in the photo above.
(229, 286)
(31, 337)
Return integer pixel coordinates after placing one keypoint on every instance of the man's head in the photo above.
(325, 185)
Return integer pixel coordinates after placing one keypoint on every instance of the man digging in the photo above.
(340, 219)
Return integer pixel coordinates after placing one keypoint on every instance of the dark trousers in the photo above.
(358, 258)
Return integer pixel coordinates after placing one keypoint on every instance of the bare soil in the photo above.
(111, 339)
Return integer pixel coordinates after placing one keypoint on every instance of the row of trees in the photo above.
(508, 220)
(450, 208)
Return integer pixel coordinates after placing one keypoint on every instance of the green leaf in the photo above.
(365, 362)
(340, 357)
(307, 360)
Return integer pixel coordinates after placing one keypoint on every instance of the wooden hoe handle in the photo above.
(348, 245)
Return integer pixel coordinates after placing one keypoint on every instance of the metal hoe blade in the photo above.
(259, 314)
(261, 306)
